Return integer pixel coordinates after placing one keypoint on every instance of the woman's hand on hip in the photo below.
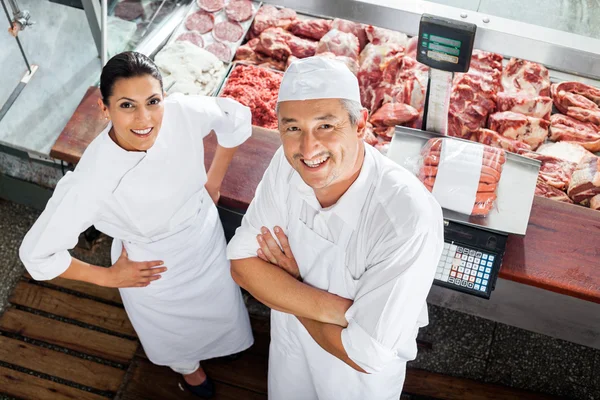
(214, 191)
(126, 273)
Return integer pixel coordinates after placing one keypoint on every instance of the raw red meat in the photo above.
(211, 5)
(129, 10)
(542, 189)
(301, 48)
(228, 31)
(339, 43)
(192, 37)
(520, 76)
(494, 139)
(370, 73)
(273, 42)
(572, 152)
(239, 10)
(311, 28)
(392, 114)
(370, 137)
(248, 54)
(533, 131)
(411, 47)
(269, 17)
(578, 100)
(256, 88)
(378, 36)
(585, 182)
(350, 63)
(554, 171)
(354, 28)
(222, 51)
(201, 22)
(565, 128)
(533, 106)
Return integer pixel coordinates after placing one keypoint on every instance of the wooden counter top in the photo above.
(560, 253)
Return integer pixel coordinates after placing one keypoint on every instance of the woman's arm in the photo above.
(217, 170)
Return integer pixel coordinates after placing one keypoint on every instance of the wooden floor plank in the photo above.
(66, 305)
(104, 293)
(67, 335)
(249, 371)
(61, 365)
(151, 382)
(445, 387)
(25, 386)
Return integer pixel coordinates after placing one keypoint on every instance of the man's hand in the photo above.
(270, 251)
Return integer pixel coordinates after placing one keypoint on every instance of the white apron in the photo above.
(299, 369)
(195, 311)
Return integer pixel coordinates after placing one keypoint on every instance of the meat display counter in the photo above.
(559, 254)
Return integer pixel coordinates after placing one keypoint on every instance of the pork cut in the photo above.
(530, 130)
(565, 151)
(339, 43)
(270, 17)
(355, 28)
(379, 36)
(542, 189)
(494, 139)
(391, 114)
(533, 106)
(585, 182)
(370, 73)
(565, 128)
(577, 100)
(311, 28)
(521, 76)
(554, 171)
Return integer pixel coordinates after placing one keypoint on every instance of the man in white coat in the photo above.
(340, 242)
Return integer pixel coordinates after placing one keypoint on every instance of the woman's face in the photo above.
(136, 111)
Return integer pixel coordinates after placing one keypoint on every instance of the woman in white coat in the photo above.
(143, 182)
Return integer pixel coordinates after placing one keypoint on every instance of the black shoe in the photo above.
(205, 390)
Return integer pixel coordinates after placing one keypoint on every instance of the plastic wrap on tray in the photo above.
(462, 176)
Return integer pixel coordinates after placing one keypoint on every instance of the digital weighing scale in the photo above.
(473, 246)
(445, 46)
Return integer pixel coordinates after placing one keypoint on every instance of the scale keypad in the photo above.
(465, 267)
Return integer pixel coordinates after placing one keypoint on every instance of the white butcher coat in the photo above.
(155, 204)
(378, 245)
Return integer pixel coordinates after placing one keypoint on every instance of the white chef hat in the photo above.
(318, 78)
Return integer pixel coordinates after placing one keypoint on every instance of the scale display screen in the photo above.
(445, 44)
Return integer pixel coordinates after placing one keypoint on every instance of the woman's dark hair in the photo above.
(126, 65)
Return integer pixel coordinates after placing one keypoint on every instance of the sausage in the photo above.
(482, 209)
(500, 159)
(434, 160)
(429, 181)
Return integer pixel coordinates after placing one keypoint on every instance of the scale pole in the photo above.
(104, 32)
(10, 22)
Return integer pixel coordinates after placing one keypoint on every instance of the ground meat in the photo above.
(201, 22)
(129, 10)
(192, 37)
(256, 88)
(211, 5)
(222, 51)
(239, 10)
(228, 31)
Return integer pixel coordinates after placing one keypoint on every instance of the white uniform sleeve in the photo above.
(391, 294)
(231, 121)
(266, 209)
(70, 211)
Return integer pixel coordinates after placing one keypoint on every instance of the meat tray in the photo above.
(219, 16)
(515, 189)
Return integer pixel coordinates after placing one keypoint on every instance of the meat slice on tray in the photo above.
(239, 10)
(222, 51)
(270, 17)
(201, 22)
(228, 31)
(579, 88)
(339, 43)
(355, 28)
(192, 37)
(578, 100)
(311, 28)
(572, 152)
(554, 171)
(211, 5)
(494, 139)
(585, 182)
(521, 76)
(379, 36)
(530, 130)
(533, 106)
(565, 128)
